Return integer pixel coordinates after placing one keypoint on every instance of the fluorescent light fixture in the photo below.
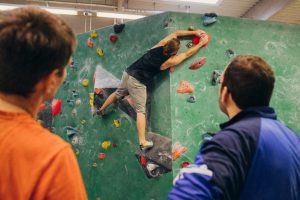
(211, 2)
(52, 10)
(118, 15)
(7, 7)
(60, 11)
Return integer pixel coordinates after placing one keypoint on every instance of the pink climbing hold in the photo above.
(184, 164)
(56, 107)
(90, 43)
(197, 63)
(185, 87)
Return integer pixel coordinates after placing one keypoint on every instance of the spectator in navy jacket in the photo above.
(254, 156)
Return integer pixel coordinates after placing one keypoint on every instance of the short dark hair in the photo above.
(250, 80)
(171, 46)
(33, 43)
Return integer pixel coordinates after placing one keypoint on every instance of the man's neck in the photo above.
(233, 111)
(19, 104)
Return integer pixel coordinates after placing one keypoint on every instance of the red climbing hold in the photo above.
(196, 39)
(113, 38)
(178, 150)
(143, 161)
(90, 43)
(185, 164)
(185, 87)
(56, 107)
(101, 156)
(197, 63)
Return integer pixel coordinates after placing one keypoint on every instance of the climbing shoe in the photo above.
(146, 146)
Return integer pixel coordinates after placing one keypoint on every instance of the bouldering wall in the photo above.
(118, 175)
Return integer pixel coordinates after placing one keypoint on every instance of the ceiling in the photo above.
(280, 10)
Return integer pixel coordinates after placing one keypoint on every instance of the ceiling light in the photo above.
(52, 10)
(211, 2)
(118, 15)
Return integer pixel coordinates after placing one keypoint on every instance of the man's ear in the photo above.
(48, 84)
(224, 95)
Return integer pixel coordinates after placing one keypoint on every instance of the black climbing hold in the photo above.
(189, 45)
(168, 22)
(75, 93)
(208, 136)
(215, 77)
(118, 28)
(209, 18)
(70, 102)
(229, 53)
(210, 15)
(191, 99)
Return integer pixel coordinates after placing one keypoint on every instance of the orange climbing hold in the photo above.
(178, 150)
(90, 43)
(185, 87)
(101, 156)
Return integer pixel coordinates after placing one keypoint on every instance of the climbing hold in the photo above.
(229, 53)
(171, 69)
(117, 123)
(92, 96)
(189, 45)
(56, 107)
(101, 156)
(100, 52)
(94, 165)
(85, 82)
(65, 82)
(94, 34)
(209, 18)
(197, 63)
(118, 28)
(42, 107)
(216, 75)
(178, 150)
(91, 102)
(114, 145)
(184, 164)
(75, 93)
(196, 39)
(90, 43)
(77, 152)
(207, 136)
(185, 87)
(71, 131)
(74, 112)
(105, 145)
(74, 140)
(113, 38)
(191, 28)
(78, 102)
(83, 122)
(191, 99)
(167, 22)
(70, 102)
(40, 121)
(73, 64)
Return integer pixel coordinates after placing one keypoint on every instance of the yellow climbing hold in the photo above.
(100, 52)
(83, 122)
(94, 34)
(94, 165)
(92, 96)
(77, 152)
(117, 123)
(85, 82)
(105, 145)
(91, 102)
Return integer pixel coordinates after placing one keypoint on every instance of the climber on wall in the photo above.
(137, 76)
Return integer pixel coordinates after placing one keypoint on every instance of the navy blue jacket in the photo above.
(253, 157)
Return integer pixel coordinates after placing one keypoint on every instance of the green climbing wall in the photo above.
(119, 176)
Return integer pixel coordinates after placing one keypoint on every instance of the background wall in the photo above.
(119, 175)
